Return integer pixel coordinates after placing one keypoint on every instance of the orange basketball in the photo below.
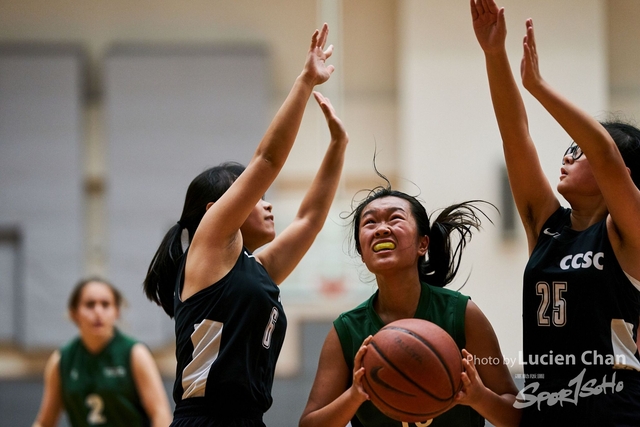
(412, 370)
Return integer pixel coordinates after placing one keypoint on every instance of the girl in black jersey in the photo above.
(229, 322)
(581, 295)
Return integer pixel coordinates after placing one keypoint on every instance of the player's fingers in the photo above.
(328, 52)
(314, 39)
(324, 32)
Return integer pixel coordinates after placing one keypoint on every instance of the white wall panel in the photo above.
(41, 184)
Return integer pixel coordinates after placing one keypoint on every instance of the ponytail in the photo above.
(443, 261)
(207, 187)
(159, 285)
(627, 139)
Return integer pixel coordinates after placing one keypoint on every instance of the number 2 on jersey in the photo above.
(96, 405)
(552, 297)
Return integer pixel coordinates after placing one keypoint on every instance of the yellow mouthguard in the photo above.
(385, 245)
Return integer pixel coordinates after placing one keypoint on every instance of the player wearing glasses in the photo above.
(581, 294)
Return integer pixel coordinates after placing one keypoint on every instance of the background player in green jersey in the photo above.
(102, 377)
(393, 234)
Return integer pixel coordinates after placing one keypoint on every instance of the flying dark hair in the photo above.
(209, 186)
(443, 256)
(74, 297)
(627, 138)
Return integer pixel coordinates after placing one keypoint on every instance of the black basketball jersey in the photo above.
(228, 338)
(580, 319)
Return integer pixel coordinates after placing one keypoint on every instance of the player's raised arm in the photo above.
(531, 189)
(287, 249)
(614, 178)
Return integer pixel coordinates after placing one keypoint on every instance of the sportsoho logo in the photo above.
(577, 388)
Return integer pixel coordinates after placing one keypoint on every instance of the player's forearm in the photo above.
(319, 197)
(585, 130)
(281, 134)
(506, 99)
(161, 420)
(336, 414)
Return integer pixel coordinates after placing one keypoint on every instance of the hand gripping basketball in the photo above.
(412, 370)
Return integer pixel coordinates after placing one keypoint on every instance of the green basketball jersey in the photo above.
(98, 389)
(445, 308)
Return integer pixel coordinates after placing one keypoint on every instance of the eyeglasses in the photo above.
(574, 150)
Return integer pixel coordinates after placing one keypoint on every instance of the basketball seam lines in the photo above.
(408, 378)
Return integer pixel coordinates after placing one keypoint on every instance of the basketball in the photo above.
(412, 370)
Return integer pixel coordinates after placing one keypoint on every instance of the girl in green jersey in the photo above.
(102, 377)
(412, 261)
